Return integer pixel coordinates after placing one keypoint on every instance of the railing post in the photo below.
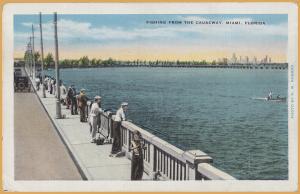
(126, 141)
(152, 159)
(193, 158)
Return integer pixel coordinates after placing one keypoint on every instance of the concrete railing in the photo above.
(162, 160)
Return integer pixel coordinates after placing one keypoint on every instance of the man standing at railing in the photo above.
(95, 111)
(137, 159)
(72, 96)
(82, 103)
(120, 116)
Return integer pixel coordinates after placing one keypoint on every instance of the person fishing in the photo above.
(120, 116)
(72, 97)
(82, 103)
(137, 160)
(93, 117)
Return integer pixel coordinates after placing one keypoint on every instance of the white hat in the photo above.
(82, 90)
(97, 97)
(124, 104)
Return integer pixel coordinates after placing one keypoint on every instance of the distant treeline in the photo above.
(85, 62)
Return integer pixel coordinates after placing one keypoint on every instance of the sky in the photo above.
(131, 36)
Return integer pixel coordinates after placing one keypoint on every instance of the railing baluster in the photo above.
(184, 173)
(161, 161)
(173, 166)
(165, 163)
(180, 171)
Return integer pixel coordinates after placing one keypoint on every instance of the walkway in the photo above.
(93, 159)
(39, 151)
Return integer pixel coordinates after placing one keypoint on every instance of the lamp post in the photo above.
(31, 56)
(42, 57)
(58, 106)
(33, 61)
(27, 55)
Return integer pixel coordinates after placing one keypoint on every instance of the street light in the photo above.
(58, 106)
(42, 57)
(33, 53)
(31, 56)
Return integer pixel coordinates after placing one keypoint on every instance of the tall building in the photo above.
(254, 60)
(266, 59)
(234, 58)
(247, 60)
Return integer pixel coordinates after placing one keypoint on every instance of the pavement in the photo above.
(93, 160)
(39, 152)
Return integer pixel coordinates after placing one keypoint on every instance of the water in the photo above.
(206, 109)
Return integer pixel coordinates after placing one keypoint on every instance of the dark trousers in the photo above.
(137, 167)
(116, 146)
(82, 114)
(74, 106)
(51, 89)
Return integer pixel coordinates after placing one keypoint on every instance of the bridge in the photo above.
(162, 160)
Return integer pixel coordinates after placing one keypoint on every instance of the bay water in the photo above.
(213, 110)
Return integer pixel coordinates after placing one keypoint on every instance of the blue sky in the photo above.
(130, 37)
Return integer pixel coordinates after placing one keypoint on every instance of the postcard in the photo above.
(150, 97)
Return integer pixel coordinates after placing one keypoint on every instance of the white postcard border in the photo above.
(147, 8)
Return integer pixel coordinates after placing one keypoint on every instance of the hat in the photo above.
(124, 104)
(97, 97)
(138, 136)
(82, 90)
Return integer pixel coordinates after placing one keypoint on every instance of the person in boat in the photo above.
(278, 97)
(270, 95)
(137, 161)
(120, 116)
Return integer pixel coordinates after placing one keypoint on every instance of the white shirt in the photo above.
(95, 110)
(120, 115)
(270, 94)
(63, 90)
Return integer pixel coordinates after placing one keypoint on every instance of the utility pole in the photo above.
(58, 106)
(26, 59)
(33, 53)
(31, 58)
(42, 57)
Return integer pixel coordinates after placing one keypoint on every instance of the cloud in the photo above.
(84, 37)
(70, 29)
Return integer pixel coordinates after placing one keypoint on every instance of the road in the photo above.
(39, 152)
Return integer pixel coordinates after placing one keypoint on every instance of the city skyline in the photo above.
(129, 37)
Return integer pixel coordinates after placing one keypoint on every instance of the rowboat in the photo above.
(279, 99)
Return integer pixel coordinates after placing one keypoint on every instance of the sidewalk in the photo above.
(93, 159)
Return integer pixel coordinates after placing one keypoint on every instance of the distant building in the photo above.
(247, 60)
(233, 59)
(254, 60)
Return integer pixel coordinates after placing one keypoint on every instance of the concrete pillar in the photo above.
(152, 161)
(193, 158)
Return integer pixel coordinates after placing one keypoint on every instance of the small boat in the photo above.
(277, 99)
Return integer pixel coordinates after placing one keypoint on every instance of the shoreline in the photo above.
(253, 67)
